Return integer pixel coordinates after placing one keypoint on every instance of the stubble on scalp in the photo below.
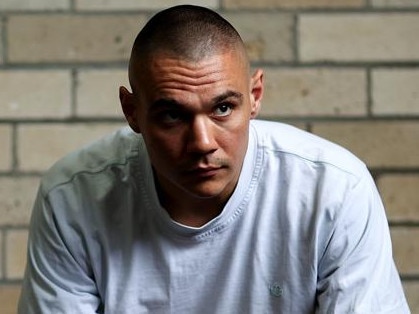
(188, 33)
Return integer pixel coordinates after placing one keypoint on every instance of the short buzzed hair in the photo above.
(188, 32)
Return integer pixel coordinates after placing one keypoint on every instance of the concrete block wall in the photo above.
(347, 70)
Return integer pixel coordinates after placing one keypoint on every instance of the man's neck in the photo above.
(191, 212)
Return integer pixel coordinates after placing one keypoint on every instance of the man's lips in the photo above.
(204, 171)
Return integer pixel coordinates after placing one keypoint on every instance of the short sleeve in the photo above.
(357, 273)
(55, 281)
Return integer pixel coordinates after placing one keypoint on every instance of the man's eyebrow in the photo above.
(169, 102)
(226, 95)
(163, 103)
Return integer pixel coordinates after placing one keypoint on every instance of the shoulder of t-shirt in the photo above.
(113, 149)
(289, 140)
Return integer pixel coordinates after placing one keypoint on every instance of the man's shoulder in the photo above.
(295, 143)
(113, 149)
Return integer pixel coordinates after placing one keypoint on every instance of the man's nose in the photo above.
(201, 137)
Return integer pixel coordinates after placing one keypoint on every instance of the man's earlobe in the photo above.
(256, 92)
(129, 108)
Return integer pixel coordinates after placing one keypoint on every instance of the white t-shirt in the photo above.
(304, 231)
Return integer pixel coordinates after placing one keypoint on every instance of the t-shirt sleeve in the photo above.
(55, 280)
(357, 273)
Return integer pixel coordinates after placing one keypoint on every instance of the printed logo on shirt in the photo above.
(276, 290)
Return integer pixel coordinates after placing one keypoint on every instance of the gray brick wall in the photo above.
(344, 69)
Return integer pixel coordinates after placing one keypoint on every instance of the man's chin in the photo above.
(204, 194)
(206, 190)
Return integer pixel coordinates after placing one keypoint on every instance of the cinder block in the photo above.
(400, 196)
(406, 249)
(16, 245)
(395, 91)
(267, 36)
(34, 5)
(6, 147)
(97, 92)
(71, 38)
(2, 249)
(314, 92)
(382, 144)
(292, 4)
(411, 289)
(105, 5)
(46, 94)
(9, 296)
(299, 124)
(2, 48)
(40, 145)
(395, 4)
(17, 195)
(354, 37)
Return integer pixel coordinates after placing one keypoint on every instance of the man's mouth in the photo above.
(205, 171)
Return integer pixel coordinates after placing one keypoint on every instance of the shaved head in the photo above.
(185, 32)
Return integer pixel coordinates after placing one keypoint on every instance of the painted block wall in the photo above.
(347, 70)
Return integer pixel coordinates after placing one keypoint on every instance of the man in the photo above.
(197, 209)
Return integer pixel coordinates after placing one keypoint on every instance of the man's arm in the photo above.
(55, 281)
(356, 272)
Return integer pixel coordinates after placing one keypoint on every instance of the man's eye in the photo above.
(171, 116)
(223, 110)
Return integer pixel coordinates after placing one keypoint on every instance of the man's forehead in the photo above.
(164, 72)
(232, 57)
(228, 58)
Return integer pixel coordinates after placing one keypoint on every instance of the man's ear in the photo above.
(256, 92)
(129, 108)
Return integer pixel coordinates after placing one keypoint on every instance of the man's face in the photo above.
(194, 117)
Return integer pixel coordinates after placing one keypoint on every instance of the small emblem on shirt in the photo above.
(276, 290)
